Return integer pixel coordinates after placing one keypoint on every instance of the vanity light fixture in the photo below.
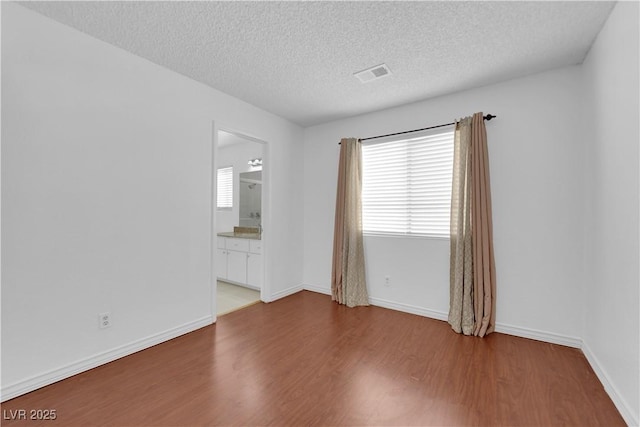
(255, 162)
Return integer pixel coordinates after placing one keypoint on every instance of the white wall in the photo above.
(611, 334)
(106, 196)
(536, 153)
(564, 172)
(236, 155)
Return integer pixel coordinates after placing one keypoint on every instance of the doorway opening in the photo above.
(240, 215)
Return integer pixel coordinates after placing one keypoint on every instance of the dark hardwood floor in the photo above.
(304, 360)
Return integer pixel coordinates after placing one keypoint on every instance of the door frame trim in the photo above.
(265, 291)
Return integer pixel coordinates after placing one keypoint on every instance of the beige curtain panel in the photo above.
(472, 267)
(461, 258)
(348, 284)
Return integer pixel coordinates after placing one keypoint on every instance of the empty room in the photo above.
(320, 213)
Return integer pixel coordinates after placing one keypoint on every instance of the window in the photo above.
(406, 185)
(225, 188)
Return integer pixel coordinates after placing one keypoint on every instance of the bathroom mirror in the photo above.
(251, 199)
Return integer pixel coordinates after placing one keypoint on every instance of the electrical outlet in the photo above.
(387, 281)
(104, 320)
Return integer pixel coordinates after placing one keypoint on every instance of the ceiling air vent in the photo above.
(373, 73)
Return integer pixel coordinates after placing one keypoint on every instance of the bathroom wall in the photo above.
(236, 155)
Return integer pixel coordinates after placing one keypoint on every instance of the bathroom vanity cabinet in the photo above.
(239, 260)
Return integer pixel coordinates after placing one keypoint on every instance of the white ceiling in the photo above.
(297, 59)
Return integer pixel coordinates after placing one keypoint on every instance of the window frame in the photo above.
(442, 136)
(230, 189)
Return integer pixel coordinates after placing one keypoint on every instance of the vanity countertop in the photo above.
(252, 236)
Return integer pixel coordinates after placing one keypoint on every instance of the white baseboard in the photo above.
(407, 308)
(517, 331)
(318, 289)
(47, 378)
(286, 292)
(616, 397)
(242, 285)
(538, 335)
(379, 302)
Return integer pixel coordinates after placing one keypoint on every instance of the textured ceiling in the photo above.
(297, 59)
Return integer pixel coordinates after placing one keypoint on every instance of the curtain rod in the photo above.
(487, 117)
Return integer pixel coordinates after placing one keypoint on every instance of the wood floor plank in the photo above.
(305, 360)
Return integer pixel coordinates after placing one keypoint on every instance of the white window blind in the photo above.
(225, 188)
(406, 187)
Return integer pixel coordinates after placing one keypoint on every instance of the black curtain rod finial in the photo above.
(489, 117)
